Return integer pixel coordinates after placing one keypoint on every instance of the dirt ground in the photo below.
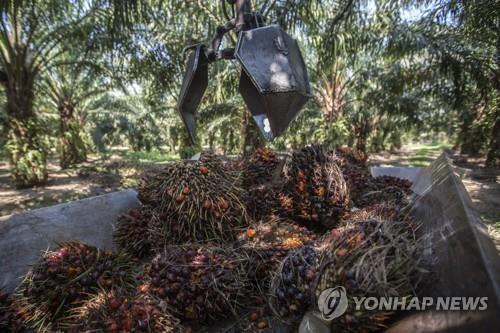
(95, 177)
(99, 176)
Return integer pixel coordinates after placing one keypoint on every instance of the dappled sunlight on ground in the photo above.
(96, 177)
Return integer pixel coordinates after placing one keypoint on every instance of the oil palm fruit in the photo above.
(260, 168)
(315, 184)
(269, 241)
(131, 231)
(292, 286)
(370, 258)
(198, 283)
(113, 312)
(195, 200)
(11, 319)
(65, 277)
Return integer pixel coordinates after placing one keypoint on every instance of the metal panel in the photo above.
(274, 82)
(272, 60)
(194, 84)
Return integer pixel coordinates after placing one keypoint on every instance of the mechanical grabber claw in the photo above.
(274, 82)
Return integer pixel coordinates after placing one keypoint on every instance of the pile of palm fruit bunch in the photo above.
(132, 231)
(199, 283)
(112, 311)
(257, 240)
(187, 201)
(291, 286)
(369, 258)
(11, 319)
(315, 188)
(269, 241)
(262, 181)
(64, 277)
(354, 168)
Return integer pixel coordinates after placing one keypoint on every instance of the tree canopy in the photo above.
(87, 75)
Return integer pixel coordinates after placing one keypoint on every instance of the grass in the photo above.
(425, 153)
(149, 157)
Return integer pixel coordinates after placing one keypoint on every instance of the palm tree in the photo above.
(30, 39)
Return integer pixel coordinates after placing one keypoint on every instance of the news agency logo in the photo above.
(333, 303)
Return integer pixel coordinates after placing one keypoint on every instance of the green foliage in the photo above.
(74, 143)
(111, 70)
(150, 157)
(27, 147)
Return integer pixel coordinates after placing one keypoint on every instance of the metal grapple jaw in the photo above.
(193, 87)
(274, 81)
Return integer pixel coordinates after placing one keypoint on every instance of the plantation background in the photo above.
(88, 90)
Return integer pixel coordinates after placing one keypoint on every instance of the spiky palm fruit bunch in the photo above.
(11, 319)
(198, 283)
(315, 183)
(263, 200)
(64, 277)
(196, 200)
(351, 156)
(292, 284)
(385, 189)
(356, 179)
(131, 231)
(269, 241)
(371, 258)
(278, 233)
(113, 312)
(380, 212)
(356, 173)
(260, 168)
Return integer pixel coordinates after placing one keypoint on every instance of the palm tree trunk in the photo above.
(25, 145)
(493, 155)
(72, 143)
(252, 139)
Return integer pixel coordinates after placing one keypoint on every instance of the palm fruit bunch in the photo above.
(260, 168)
(317, 189)
(386, 189)
(356, 179)
(370, 258)
(263, 200)
(131, 233)
(276, 233)
(356, 173)
(196, 200)
(379, 211)
(291, 287)
(64, 277)
(269, 241)
(351, 156)
(260, 321)
(200, 283)
(113, 312)
(11, 319)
